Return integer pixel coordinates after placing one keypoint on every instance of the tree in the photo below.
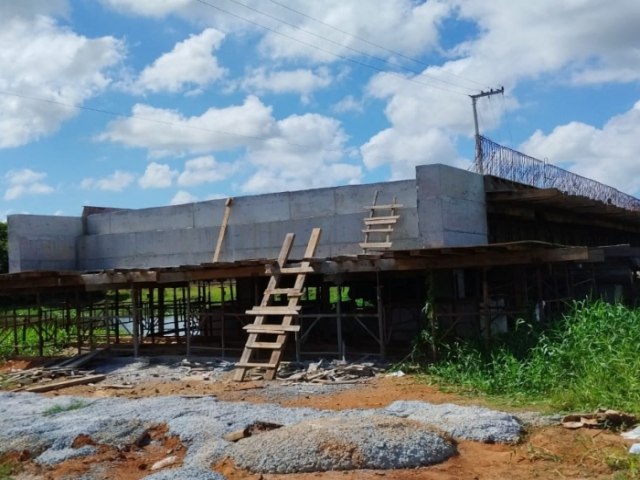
(4, 248)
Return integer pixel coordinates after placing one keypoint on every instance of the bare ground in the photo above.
(545, 452)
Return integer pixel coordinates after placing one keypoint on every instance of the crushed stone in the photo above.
(201, 422)
(467, 423)
(374, 442)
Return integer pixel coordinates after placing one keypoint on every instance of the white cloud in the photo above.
(183, 197)
(39, 58)
(402, 152)
(301, 81)
(348, 104)
(116, 182)
(406, 26)
(151, 8)
(559, 42)
(399, 25)
(308, 152)
(190, 64)
(201, 170)
(169, 133)
(157, 175)
(587, 38)
(25, 182)
(608, 154)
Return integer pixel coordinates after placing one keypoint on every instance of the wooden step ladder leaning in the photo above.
(380, 226)
(267, 316)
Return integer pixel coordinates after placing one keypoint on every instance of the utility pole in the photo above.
(474, 100)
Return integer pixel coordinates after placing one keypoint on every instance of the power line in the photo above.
(155, 120)
(355, 50)
(337, 55)
(373, 44)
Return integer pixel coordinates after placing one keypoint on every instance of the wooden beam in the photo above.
(65, 383)
(223, 229)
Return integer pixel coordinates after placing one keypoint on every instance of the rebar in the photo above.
(516, 166)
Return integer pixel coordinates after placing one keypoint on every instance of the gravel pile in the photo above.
(375, 442)
(47, 427)
(466, 423)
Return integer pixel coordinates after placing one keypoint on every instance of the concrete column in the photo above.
(451, 207)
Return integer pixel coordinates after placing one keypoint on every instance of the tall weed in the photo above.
(588, 359)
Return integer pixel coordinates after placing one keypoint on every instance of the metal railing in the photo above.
(510, 164)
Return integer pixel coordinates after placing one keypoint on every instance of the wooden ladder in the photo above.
(283, 314)
(381, 226)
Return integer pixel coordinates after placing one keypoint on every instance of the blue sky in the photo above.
(138, 103)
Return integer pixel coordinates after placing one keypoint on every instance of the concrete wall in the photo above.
(187, 234)
(451, 207)
(38, 242)
(444, 206)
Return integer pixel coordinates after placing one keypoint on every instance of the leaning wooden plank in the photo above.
(66, 383)
(80, 360)
(223, 229)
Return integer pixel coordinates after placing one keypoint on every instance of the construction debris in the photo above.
(253, 429)
(323, 372)
(44, 379)
(603, 419)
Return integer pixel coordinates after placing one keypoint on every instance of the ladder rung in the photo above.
(381, 220)
(376, 245)
(275, 269)
(255, 365)
(384, 207)
(290, 292)
(271, 328)
(274, 310)
(389, 229)
(265, 345)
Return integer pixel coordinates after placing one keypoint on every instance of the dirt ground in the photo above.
(545, 452)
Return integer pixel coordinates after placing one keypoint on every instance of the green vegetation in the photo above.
(74, 405)
(586, 360)
(8, 468)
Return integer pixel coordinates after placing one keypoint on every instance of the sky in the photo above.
(141, 103)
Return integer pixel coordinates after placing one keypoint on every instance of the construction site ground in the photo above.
(546, 450)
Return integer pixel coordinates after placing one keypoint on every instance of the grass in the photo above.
(586, 360)
(8, 468)
(74, 405)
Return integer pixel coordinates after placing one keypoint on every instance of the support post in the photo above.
(135, 307)
(341, 349)
(187, 320)
(381, 322)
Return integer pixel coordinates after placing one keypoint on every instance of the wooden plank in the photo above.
(265, 345)
(255, 365)
(388, 220)
(80, 360)
(223, 229)
(274, 310)
(277, 270)
(375, 245)
(271, 328)
(384, 207)
(65, 383)
(289, 292)
(388, 229)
